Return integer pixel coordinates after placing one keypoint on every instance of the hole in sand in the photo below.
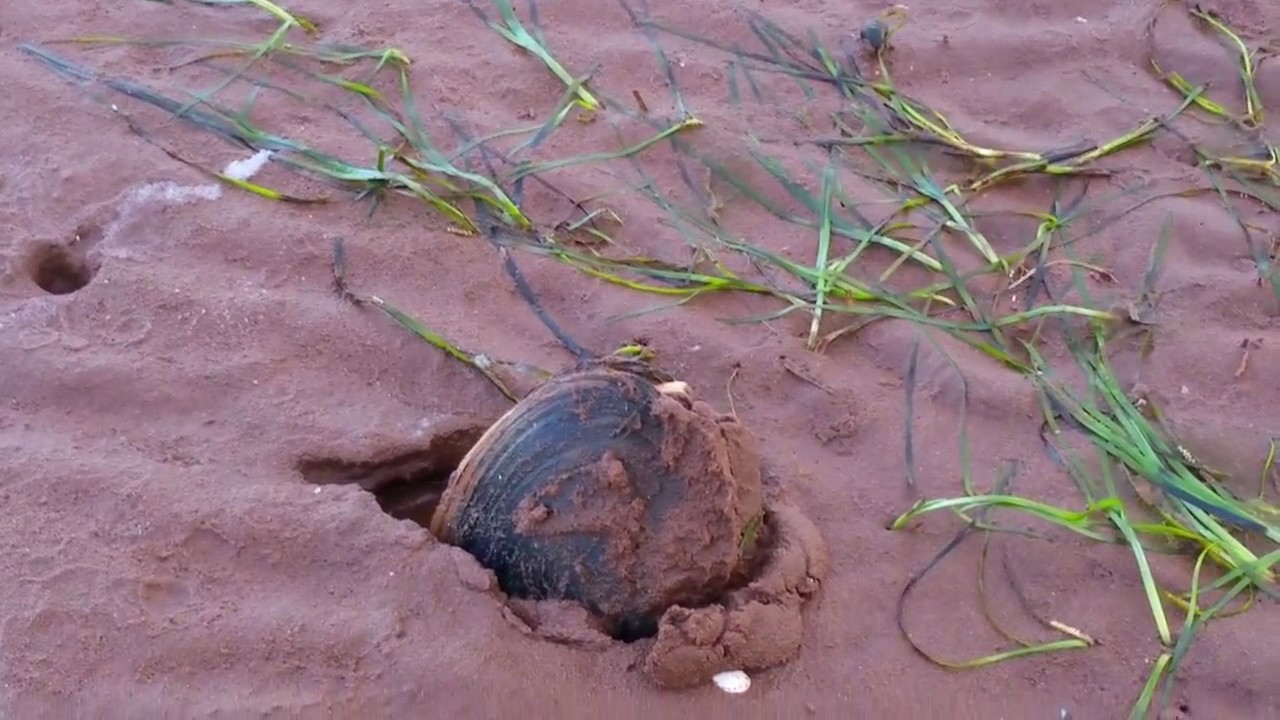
(59, 269)
(407, 485)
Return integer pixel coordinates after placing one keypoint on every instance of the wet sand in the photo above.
(163, 554)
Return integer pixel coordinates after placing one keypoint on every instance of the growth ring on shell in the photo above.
(610, 486)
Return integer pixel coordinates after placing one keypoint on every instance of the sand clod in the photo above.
(753, 628)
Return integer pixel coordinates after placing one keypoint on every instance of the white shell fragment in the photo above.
(675, 387)
(734, 681)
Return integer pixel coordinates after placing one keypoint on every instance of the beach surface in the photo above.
(173, 356)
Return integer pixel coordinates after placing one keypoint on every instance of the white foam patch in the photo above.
(146, 195)
(248, 167)
(169, 193)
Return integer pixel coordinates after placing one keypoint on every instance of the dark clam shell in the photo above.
(607, 488)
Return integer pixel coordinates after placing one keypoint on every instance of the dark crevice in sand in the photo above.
(407, 485)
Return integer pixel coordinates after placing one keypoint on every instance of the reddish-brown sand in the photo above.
(162, 554)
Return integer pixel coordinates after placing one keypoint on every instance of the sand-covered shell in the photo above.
(610, 486)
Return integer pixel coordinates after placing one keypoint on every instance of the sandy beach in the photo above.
(173, 351)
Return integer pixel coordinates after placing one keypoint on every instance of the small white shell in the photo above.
(678, 388)
(733, 681)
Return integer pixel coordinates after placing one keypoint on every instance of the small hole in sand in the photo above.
(407, 485)
(59, 270)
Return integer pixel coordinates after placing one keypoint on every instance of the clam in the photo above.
(611, 486)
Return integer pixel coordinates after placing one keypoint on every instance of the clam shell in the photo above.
(609, 485)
